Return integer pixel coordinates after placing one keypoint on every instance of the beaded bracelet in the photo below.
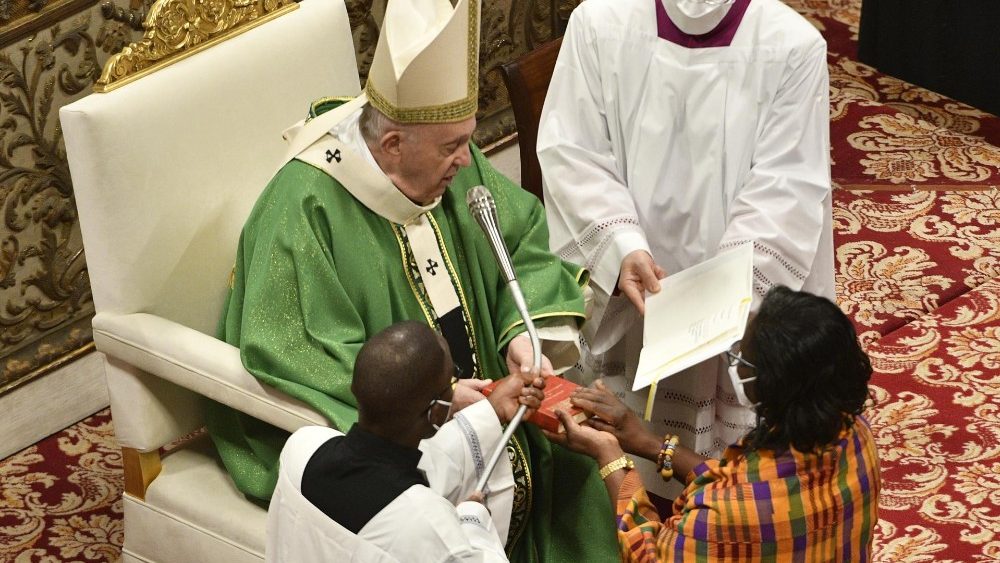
(663, 449)
(665, 459)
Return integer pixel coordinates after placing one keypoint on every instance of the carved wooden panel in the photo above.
(21, 18)
(366, 21)
(510, 29)
(45, 301)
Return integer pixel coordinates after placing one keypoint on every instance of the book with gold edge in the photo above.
(557, 397)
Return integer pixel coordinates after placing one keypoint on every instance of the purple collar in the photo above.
(721, 36)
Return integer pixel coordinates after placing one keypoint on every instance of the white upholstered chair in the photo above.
(166, 169)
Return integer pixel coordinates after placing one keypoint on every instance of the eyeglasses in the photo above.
(736, 358)
(437, 400)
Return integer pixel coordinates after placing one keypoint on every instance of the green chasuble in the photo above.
(317, 273)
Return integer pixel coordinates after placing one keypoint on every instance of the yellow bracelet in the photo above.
(624, 462)
(666, 460)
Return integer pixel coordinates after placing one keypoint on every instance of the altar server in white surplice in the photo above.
(400, 485)
(673, 130)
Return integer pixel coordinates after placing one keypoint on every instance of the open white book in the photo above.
(698, 313)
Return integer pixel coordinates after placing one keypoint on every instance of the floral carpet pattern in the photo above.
(880, 147)
(936, 421)
(60, 499)
(916, 216)
(851, 80)
(918, 271)
(901, 255)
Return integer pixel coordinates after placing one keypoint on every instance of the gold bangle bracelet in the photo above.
(624, 462)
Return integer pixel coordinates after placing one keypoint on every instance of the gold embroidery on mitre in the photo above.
(449, 111)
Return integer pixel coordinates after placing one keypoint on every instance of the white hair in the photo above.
(374, 124)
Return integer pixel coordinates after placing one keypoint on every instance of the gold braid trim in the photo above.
(523, 493)
(445, 113)
(417, 293)
(450, 112)
(515, 324)
(480, 365)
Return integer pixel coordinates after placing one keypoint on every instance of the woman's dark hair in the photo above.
(812, 375)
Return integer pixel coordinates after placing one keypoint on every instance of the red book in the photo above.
(557, 392)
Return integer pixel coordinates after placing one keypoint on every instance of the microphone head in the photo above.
(484, 210)
(480, 199)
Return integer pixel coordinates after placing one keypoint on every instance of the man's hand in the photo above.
(514, 391)
(611, 415)
(639, 274)
(600, 445)
(520, 358)
(467, 392)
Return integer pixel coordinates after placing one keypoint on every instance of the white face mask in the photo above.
(696, 17)
(430, 411)
(698, 8)
(741, 394)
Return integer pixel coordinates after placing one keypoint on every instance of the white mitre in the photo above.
(426, 63)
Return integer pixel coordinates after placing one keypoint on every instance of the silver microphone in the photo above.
(484, 211)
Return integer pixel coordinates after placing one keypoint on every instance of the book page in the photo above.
(698, 313)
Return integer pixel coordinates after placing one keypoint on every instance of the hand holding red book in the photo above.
(557, 396)
(507, 394)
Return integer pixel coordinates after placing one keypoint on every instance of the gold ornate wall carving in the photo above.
(45, 301)
(181, 28)
(366, 19)
(510, 29)
(21, 18)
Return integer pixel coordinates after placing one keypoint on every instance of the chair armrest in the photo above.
(201, 363)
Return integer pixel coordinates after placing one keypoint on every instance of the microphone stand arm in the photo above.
(522, 307)
(483, 209)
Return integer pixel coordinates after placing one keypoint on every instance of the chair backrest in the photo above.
(166, 169)
(527, 80)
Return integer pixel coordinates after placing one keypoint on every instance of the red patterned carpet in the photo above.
(918, 270)
(60, 499)
(901, 255)
(937, 424)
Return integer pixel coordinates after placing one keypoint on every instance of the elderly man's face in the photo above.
(430, 156)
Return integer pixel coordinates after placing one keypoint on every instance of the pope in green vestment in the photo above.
(318, 272)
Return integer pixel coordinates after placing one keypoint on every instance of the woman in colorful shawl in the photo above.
(801, 486)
